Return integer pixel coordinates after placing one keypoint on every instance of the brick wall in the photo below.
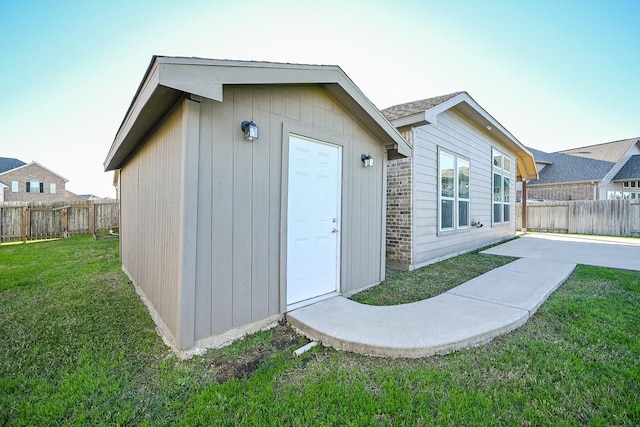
(29, 173)
(399, 211)
(580, 191)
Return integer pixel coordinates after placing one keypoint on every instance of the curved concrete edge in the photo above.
(471, 314)
(421, 340)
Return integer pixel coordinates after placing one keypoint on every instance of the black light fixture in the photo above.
(250, 130)
(367, 160)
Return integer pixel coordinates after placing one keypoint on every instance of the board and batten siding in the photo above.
(459, 136)
(241, 202)
(151, 192)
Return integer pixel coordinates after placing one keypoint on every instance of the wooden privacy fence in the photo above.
(21, 221)
(597, 217)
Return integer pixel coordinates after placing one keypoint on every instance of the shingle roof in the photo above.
(402, 110)
(541, 156)
(630, 170)
(8, 163)
(566, 168)
(608, 151)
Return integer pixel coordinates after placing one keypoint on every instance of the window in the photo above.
(34, 186)
(14, 186)
(454, 192)
(501, 188)
(52, 188)
(463, 193)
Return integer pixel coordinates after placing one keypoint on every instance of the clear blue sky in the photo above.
(558, 74)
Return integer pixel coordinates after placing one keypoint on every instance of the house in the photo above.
(22, 182)
(457, 191)
(248, 189)
(606, 171)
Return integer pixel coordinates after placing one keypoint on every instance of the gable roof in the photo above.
(590, 163)
(426, 111)
(24, 165)
(630, 170)
(8, 163)
(565, 168)
(169, 78)
(608, 151)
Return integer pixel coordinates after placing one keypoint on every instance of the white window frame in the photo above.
(52, 188)
(15, 186)
(455, 197)
(501, 167)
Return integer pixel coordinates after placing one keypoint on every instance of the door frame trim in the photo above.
(312, 134)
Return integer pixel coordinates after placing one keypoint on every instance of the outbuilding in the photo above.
(248, 189)
(457, 191)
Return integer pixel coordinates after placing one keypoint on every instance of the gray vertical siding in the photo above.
(151, 188)
(240, 219)
(202, 208)
(456, 134)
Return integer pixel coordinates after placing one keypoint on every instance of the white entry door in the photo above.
(313, 219)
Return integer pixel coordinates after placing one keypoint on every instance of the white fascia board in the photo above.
(482, 118)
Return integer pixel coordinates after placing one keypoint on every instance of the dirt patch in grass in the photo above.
(226, 364)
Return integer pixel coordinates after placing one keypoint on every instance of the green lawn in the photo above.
(77, 347)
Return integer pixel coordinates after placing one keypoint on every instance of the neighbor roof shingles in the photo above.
(630, 170)
(8, 163)
(608, 151)
(566, 168)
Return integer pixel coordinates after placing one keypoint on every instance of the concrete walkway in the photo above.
(473, 313)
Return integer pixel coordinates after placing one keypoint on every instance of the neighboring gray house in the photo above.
(22, 182)
(596, 172)
(457, 192)
(223, 233)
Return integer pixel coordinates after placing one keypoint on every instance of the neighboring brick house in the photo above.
(596, 172)
(22, 182)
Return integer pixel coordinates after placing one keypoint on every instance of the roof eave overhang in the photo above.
(467, 106)
(168, 79)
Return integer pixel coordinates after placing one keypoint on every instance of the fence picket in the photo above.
(46, 220)
(597, 217)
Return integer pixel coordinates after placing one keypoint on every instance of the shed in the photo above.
(220, 234)
(457, 192)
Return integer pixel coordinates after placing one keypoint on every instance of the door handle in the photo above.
(335, 230)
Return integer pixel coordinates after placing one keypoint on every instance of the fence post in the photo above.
(524, 205)
(25, 225)
(92, 218)
(65, 223)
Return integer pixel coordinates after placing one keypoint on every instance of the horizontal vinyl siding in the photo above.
(238, 279)
(150, 195)
(456, 135)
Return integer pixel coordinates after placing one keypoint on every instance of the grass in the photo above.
(402, 287)
(77, 347)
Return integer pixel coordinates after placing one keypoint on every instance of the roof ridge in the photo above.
(599, 144)
(417, 101)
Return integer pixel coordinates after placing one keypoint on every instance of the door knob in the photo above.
(335, 230)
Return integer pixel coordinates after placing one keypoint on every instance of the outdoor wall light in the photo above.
(250, 130)
(367, 160)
